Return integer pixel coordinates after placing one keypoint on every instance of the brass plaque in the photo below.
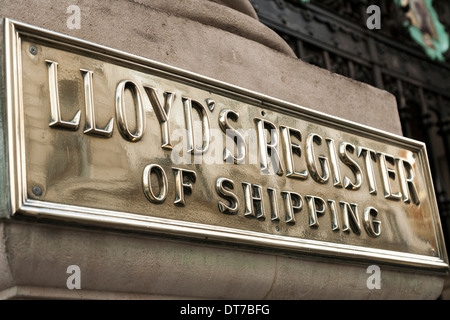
(102, 137)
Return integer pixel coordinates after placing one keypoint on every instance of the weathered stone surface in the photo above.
(117, 265)
(218, 42)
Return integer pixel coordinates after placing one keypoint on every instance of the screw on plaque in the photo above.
(37, 191)
(33, 50)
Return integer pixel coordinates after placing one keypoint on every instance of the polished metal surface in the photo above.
(117, 140)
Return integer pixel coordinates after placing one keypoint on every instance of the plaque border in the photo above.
(18, 202)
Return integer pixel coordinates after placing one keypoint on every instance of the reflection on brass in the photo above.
(316, 205)
(290, 149)
(311, 161)
(162, 182)
(345, 147)
(254, 205)
(191, 146)
(337, 181)
(372, 225)
(387, 174)
(234, 134)
(293, 203)
(91, 127)
(155, 148)
(163, 114)
(122, 115)
(183, 184)
(334, 218)
(233, 208)
(406, 177)
(55, 115)
(273, 204)
(369, 157)
(268, 148)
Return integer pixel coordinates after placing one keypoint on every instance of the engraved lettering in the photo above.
(273, 204)
(147, 183)
(406, 175)
(387, 174)
(268, 148)
(369, 157)
(310, 159)
(350, 217)
(254, 206)
(91, 126)
(291, 148)
(334, 216)
(232, 133)
(293, 203)
(55, 109)
(162, 113)
(221, 185)
(182, 184)
(334, 163)
(188, 104)
(121, 114)
(348, 184)
(316, 205)
(372, 225)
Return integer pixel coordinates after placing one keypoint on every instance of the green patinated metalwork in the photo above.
(434, 43)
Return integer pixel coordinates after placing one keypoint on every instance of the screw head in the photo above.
(33, 50)
(37, 191)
